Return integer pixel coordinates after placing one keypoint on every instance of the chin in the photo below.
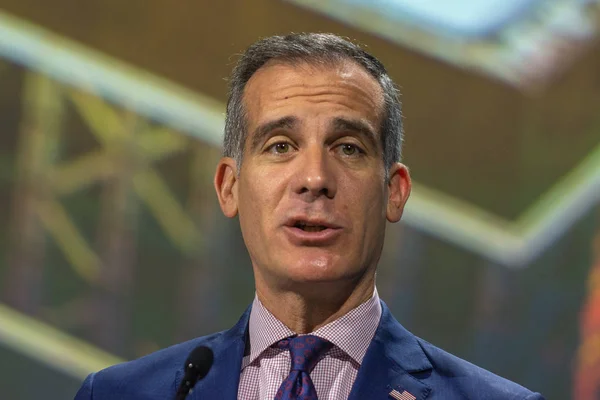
(318, 269)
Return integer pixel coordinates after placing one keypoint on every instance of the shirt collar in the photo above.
(352, 332)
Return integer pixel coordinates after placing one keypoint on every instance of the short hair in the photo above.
(312, 48)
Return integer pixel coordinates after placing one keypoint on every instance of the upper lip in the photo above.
(312, 222)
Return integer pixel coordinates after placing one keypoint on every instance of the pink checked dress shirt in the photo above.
(265, 367)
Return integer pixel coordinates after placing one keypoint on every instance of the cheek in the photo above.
(258, 199)
(250, 206)
(251, 220)
(367, 208)
(365, 200)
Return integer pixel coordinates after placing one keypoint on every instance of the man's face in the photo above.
(311, 194)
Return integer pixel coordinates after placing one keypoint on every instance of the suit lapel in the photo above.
(223, 378)
(391, 363)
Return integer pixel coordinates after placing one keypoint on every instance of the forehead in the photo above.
(281, 87)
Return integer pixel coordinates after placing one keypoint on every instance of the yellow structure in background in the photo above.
(43, 101)
(50, 346)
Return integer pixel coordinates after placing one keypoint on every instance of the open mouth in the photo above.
(305, 232)
(309, 228)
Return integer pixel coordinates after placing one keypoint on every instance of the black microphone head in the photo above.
(196, 367)
(199, 361)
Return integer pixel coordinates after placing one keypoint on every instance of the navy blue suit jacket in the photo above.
(396, 359)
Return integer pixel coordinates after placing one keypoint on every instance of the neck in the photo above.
(306, 307)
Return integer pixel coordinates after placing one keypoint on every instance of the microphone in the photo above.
(196, 367)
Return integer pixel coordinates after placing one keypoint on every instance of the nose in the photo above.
(315, 177)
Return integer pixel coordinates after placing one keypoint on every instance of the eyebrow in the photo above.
(357, 126)
(265, 129)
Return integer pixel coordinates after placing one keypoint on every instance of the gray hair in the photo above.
(313, 48)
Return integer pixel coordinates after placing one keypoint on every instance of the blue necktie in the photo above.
(305, 351)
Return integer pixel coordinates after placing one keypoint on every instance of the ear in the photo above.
(399, 186)
(226, 186)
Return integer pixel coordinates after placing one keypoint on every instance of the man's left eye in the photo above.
(349, 149)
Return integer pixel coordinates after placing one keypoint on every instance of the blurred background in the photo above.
(112, 244)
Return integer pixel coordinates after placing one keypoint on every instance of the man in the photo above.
(312, 148)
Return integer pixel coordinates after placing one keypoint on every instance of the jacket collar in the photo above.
(223, 379)
(394, 361)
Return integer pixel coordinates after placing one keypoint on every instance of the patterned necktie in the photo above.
(305, 351)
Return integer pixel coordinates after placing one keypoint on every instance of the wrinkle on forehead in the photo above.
(347, 84)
